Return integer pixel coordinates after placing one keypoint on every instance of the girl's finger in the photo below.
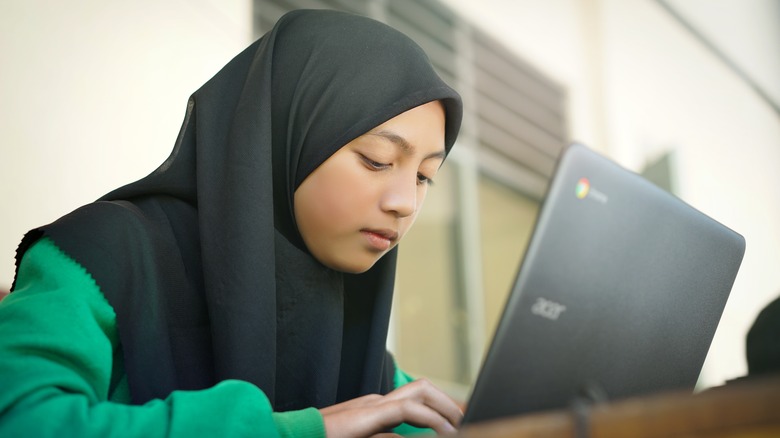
(428, 394)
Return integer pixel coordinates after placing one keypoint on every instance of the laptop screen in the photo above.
(620, 291)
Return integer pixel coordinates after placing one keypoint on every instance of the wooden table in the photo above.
(740, 409)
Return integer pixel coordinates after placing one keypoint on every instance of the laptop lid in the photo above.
(620, 291)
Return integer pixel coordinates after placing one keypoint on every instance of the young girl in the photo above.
(244, 287)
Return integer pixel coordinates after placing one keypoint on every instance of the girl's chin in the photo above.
(354, 266)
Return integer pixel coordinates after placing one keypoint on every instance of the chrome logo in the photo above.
(583, 187)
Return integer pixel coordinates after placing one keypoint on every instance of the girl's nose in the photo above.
(400, 197)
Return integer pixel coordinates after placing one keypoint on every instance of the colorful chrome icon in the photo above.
(583, 187)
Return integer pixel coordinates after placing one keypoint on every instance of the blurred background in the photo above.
(685, 92)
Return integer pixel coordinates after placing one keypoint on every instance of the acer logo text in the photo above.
(547, 309)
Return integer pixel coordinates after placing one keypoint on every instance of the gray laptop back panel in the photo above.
(621, 289)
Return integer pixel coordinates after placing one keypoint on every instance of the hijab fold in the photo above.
(202, 260)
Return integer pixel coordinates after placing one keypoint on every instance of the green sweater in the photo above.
(61, 370)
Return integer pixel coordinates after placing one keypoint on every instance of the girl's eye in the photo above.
(375, 165)
(424, 180)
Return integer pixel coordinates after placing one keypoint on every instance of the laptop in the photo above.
(618, 295)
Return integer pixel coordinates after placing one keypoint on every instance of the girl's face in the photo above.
(359, 203)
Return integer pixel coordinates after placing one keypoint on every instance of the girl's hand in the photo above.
(418, 403)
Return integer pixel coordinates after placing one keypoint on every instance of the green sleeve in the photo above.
(58, 343)
(400, 378)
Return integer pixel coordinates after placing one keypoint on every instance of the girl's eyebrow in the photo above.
(405, 146)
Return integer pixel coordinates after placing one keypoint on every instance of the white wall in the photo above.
(639, 85)
(92, 94)
(747, 31)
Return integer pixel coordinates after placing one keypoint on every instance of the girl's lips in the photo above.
(381, 240)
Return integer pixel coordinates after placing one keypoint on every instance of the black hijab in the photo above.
(202, 260)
